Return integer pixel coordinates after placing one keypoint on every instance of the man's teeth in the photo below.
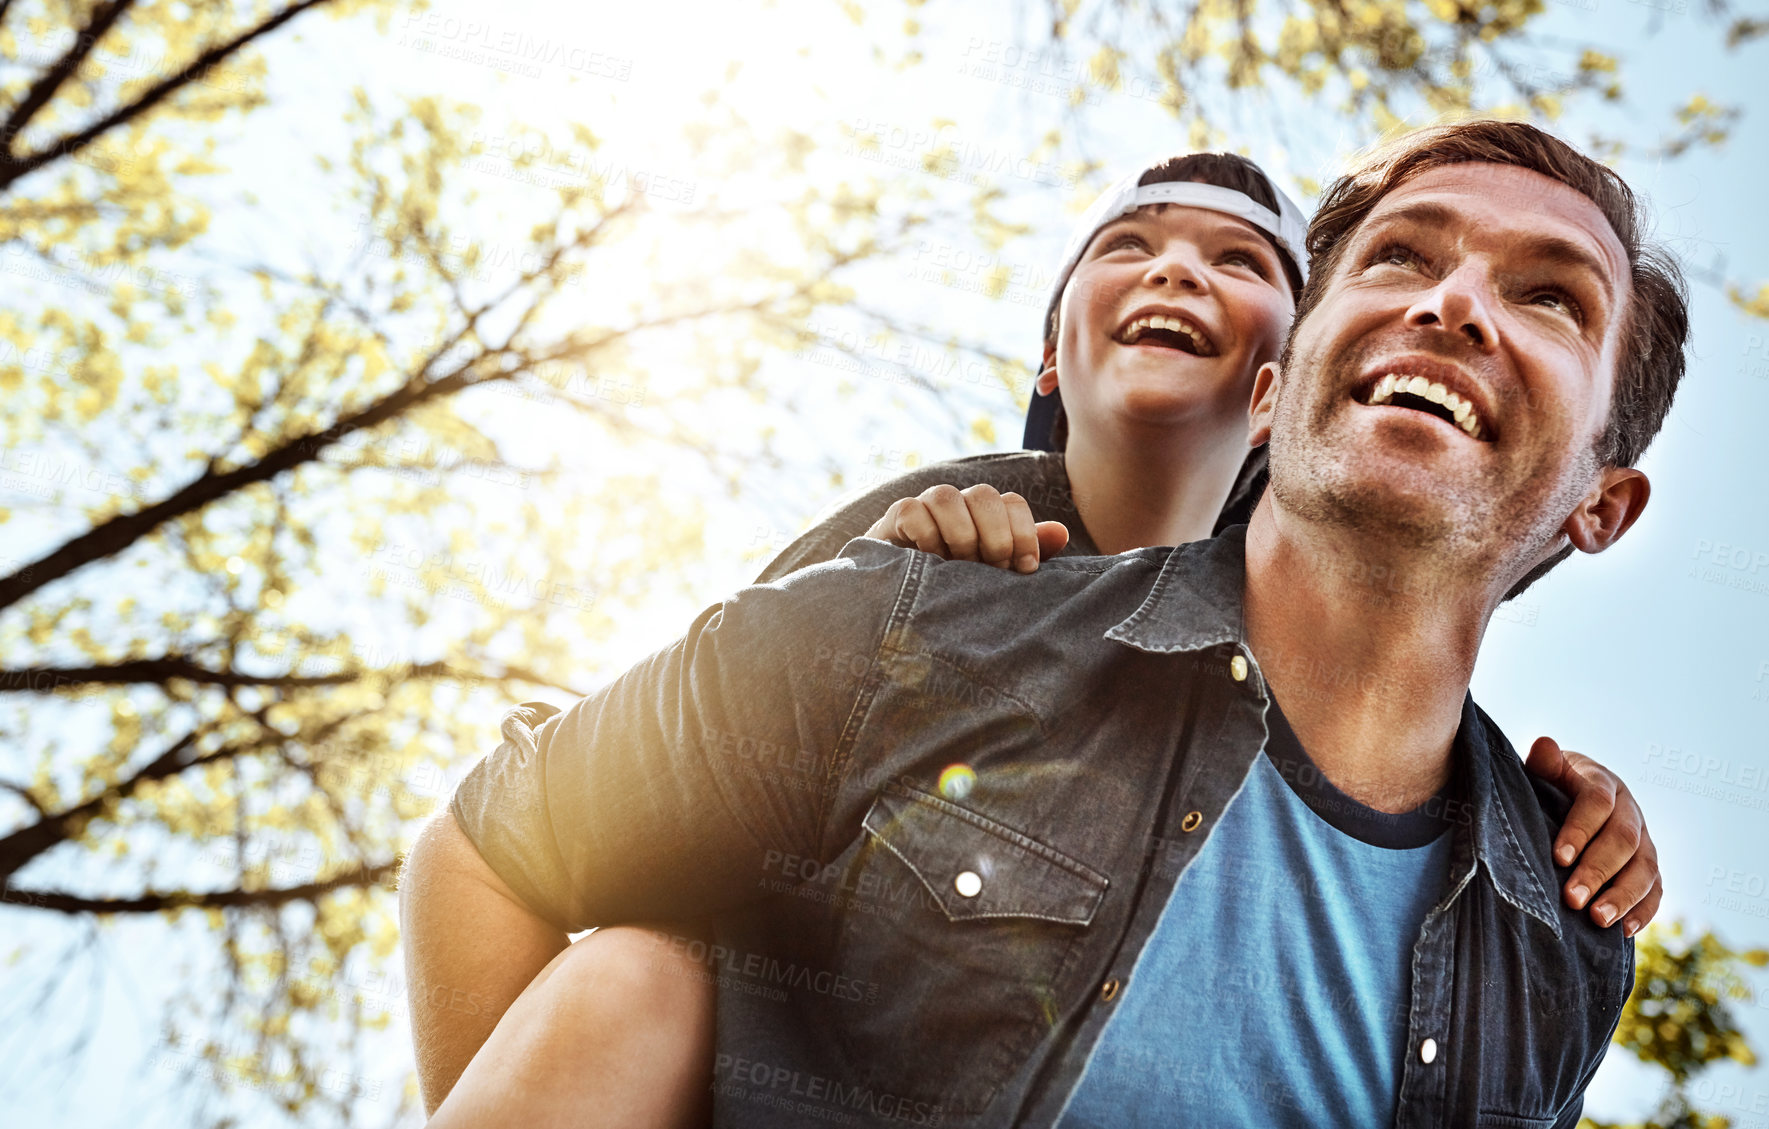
(1463, 410)
(1174, 325)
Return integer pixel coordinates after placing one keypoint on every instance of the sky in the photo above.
(1653, 657)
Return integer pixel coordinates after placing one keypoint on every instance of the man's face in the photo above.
(1167, 317)
(1451, 384)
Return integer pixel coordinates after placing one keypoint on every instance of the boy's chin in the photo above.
(1167, 401)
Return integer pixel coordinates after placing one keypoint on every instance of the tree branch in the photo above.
(12, 168)
(118, 533)
(216, 899)
(41, 679)
(104, 17)
(26, 843)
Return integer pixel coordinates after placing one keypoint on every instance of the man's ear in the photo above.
(1603, 515)
(1047, 379)
(1265, 399)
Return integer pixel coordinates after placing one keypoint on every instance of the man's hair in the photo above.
(1650, 362)
(1225, 170)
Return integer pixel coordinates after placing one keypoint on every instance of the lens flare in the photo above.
(956, 781)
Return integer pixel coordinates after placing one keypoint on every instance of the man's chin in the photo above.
(1392, 504)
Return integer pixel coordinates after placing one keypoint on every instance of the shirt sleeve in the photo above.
(663, 795)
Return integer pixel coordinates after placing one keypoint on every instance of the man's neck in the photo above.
(1369, 651)
(1137, 490)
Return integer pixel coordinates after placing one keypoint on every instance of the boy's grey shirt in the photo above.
(779, 770)
(1040, 477)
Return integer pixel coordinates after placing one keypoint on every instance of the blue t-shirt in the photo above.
(1274, 991)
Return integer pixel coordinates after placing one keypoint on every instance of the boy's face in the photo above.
(1214, 275)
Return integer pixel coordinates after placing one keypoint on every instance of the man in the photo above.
(970, 773)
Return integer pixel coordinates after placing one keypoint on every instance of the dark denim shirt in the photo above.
(933, 811)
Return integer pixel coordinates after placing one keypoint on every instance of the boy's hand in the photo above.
(1604, 816)
(977, 524)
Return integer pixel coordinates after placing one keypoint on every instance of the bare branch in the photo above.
(118, 533)
(12, 168)
(104, 17)
(20, 790)
(26, 843)
(40, 679)
(218, 899)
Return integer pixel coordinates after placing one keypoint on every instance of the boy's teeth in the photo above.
(1435, 392)
(1161, 321)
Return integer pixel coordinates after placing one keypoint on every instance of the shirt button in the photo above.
(1237, 668)
(1109, 990)
(1428, 1051)
(1192, 820)
(968, 884)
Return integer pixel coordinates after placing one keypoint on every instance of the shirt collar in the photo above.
(1197, 602)
(1503, 805)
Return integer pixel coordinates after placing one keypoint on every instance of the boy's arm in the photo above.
(1606, 832)
(471, 947)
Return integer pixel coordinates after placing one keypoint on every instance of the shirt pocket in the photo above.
(1489, 1120)
(970, 966)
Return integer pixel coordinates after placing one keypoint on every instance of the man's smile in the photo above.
(1432, 389)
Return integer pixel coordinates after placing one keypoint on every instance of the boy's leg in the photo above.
(617, 1031)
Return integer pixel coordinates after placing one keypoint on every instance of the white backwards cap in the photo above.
(1287, 225)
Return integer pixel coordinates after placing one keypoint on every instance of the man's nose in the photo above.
(1462, 303)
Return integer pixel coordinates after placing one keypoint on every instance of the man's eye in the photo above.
(1397, 255)
(1560, 301)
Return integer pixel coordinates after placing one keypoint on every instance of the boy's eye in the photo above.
(1125, 239)
(1246, 259)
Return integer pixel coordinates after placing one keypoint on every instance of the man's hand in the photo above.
(471, 947)
(978, 524)
(1609, 829)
